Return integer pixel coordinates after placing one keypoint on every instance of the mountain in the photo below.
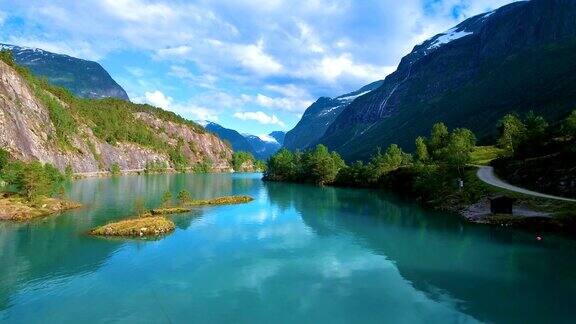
(236, 140)
(263, 146)
(83, 78)
(318, 117)
(279, 136)
(517, 58)
(44, 123)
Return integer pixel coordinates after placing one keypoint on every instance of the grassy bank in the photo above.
(17, 208)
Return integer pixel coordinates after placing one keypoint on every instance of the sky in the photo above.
(251, 65)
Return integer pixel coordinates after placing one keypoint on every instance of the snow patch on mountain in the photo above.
(449, 36)
(350, 98)
(329, 110)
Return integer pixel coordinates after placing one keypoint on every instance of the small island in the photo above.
(136, 227)
(153, 223)
(16, 208)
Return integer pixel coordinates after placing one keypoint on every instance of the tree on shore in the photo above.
(422, 149)
(184, 197)
(512, 132)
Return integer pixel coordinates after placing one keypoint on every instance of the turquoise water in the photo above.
(297, 254)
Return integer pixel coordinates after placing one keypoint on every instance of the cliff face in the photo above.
(28, 133)
(517, 58)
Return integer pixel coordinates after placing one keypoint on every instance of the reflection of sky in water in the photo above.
(295, 254)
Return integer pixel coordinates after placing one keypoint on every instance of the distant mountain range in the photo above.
(83, 78)
(262, 147)
(517, 58)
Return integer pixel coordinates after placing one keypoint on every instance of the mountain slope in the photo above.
(83, 78)
(236, 140)
(318, 117)
(517, 58)
(45, 123)
(279, 136)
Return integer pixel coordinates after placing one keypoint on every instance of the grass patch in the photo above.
(171, 210)
(483, 155)
(136, 227)
(221, 201)
(16, 208)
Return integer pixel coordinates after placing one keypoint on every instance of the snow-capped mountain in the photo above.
(319, 116)
(81, 77)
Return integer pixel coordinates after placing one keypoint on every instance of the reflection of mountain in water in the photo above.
(492, 275)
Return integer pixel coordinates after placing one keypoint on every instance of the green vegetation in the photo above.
(221, 201)
(167, 199)
(32, 180)
(483, 155)
(317, 166)
(433, 175)
(205, 166)
(537, 155)
(33, 183)
(184, 197)
(137, 227)
(115, 169)
(240, 158)
(155, 167)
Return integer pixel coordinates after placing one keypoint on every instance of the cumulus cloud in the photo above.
(260, 117)
(158, 99)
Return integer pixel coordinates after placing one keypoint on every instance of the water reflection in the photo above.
(494, 275)
(297, 253)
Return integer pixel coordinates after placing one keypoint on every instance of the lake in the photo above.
(297, 254)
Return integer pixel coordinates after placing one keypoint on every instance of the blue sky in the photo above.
(251, 65)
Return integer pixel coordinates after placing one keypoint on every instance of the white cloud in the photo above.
(254, 58)
(158, 99)
(282, 103)
(333, 68)
(260, 117)
(195, 112)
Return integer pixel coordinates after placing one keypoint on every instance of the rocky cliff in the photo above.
(83, 78)
(30, 129)
(517, 58)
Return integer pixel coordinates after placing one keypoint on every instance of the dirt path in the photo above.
(486, 174)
